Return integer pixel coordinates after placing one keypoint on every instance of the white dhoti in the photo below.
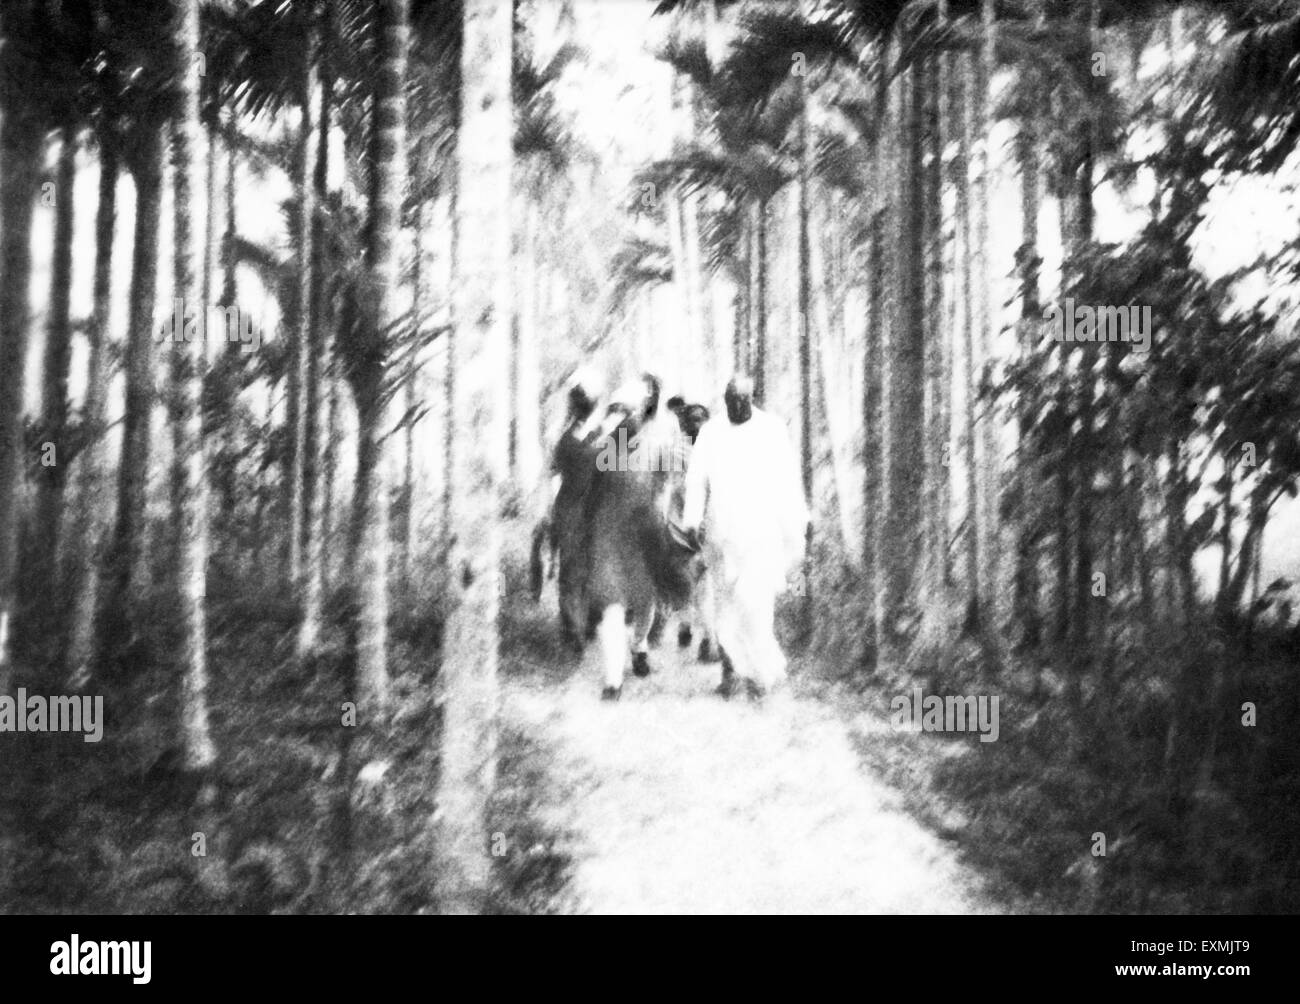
(745, 599)
(743, 487)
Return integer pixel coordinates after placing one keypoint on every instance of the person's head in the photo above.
(581, 404)
(626, 406)
(584, 392)
(675, 404)
(691, 419)
(652, 386)
(739, 399)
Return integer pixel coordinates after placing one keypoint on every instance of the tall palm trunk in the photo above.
(975, 542)
(212, 208)
(934, 573)
(22, 139)
(196, 738)
(419, 281)
(222, 221)
(527, 453)
(905, 476)
(985, 431)
(481, 312)
(705, 349)
(688, 331)
(315, 486)
(91, 525)
(1083, 215)
(451, 423)
(229, 263)
(891, 337)
(330, 459)
(58, 354)
(371, 546)
(370, 552)
(805, 339)
(830, 377)
(743, 328)
(302, 347)
(873, 441)
(949, 131)
(130, 569)
(1026, 584)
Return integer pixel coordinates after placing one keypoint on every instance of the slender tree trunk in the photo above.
(225, 372)
(951, 322)
(1026, 587)
(905, 476)
(892, 222)
(1225, 538)
(481, 312)
(805, 340)
(22, 140)
(262, 493)
(1247, 563)
(987, 451)
(406, 528)
(22, 136)
(329, 474)
(58, 355)
(830, 373)
(962, 100)
(91, 524)
(705, 349)
(212, 206)
(196, 738)
(318, 433)
(945, 311)
(1183, 609)
(682, 269)
(302, 344)
(874, 360)
(1083, 231)
(933, 630)
(447, 215)
(370, 550)
(1256, 560)
(290, 506)
(229, 263)
(129, 565)
(527, 402)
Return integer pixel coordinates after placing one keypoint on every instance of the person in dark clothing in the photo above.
(633, 563)
(572, 467)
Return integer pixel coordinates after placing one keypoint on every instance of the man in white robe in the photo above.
(745, 499)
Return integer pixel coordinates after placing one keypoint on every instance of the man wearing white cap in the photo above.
(744, 497)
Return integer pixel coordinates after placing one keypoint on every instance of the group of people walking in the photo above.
(657, 511)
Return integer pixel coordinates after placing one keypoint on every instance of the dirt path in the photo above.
(676, 801)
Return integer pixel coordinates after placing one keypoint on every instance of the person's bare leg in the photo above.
(766, 661)
(612, 634)
(657, 625)
(705, 610)
(731, 640)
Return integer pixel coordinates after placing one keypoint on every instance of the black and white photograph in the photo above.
(650, 457)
